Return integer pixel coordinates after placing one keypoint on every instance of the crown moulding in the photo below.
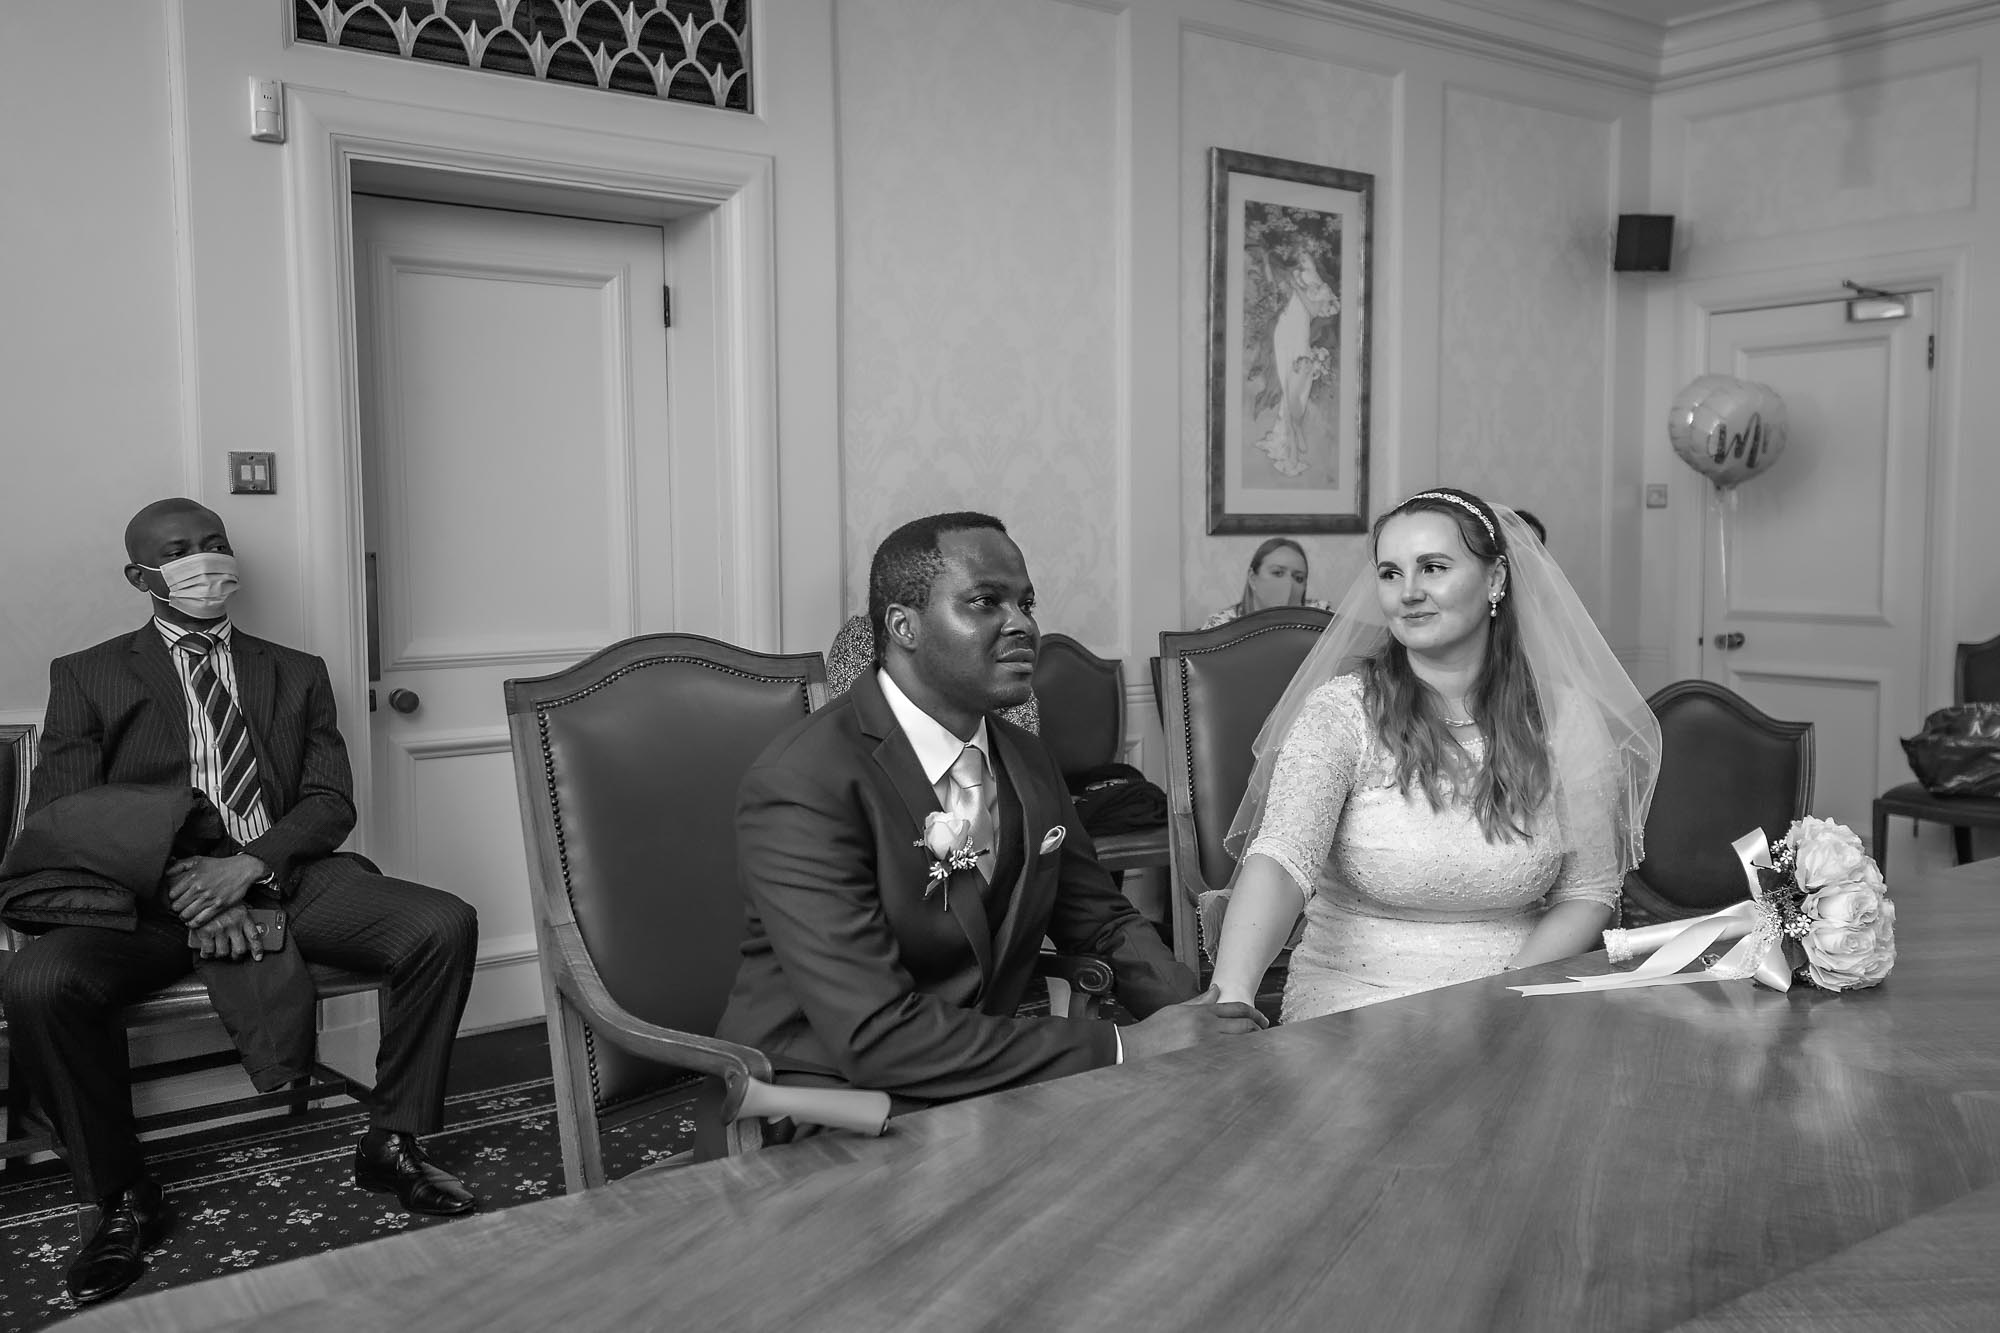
(1602, 41)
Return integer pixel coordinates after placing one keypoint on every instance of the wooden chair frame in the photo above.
(1183, 844)
(578, 1002)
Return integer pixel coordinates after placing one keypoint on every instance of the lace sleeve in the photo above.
(1590, 866)
(1310, 782)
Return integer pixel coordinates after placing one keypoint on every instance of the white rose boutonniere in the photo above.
(948, 838)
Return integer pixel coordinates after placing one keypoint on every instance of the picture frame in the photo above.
(1289, 314)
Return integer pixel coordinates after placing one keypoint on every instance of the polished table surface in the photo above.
(1699, 1157)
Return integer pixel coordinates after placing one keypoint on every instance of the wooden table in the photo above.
(1701, 1157)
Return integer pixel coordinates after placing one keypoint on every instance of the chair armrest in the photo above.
(745, 1071)
(1077, 983)
(576, 977)
(1086, 973)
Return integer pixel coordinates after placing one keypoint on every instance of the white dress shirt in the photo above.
(937, 749)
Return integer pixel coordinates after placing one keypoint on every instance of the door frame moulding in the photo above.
(1943, 273)
(333, 133)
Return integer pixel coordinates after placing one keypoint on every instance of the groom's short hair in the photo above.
(907, 562)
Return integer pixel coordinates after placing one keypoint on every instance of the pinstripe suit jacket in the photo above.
(116, 714)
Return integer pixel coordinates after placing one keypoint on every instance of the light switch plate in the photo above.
(1656, 495)
(253, 473)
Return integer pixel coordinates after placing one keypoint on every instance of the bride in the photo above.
(1455, 782)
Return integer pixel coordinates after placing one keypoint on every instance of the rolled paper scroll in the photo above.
(1758, 953)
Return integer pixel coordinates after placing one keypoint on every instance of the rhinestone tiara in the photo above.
(1464, 504)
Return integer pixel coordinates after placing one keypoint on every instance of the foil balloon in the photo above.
(1727, 429)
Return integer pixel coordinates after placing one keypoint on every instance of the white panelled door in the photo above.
(513, 406)
(1827, 552)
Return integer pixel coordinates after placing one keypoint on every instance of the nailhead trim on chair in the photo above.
(1187, 714)
(542, 711)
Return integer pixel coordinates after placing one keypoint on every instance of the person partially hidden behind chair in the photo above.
(188, 700)
(904, 850)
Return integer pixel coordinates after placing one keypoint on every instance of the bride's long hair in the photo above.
(1564, 723)
(1514, 782)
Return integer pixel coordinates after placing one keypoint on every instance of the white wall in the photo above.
(89, 325)
(152, 326)
(1017, 243)
(979, 244)
(984, 357)
(1877, 164)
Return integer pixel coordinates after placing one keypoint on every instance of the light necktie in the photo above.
(970, 790)
(232, 738)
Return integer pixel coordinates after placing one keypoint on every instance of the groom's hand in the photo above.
(1200, 1019)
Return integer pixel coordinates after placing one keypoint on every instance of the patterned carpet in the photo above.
(275, 1189)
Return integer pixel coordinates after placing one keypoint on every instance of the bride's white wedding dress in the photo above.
(1399, 897)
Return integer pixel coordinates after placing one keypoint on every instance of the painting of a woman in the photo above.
(1291, 334)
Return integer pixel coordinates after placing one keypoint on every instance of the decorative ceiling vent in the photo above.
(686, 50)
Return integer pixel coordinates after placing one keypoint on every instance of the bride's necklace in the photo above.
(1461, 722)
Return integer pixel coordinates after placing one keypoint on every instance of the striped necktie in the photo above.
(232, 738)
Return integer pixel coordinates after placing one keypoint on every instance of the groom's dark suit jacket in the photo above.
(851, 974)
(116, 714)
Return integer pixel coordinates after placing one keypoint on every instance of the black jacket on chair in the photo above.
(92, 857)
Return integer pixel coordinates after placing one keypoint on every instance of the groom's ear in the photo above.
(899, 624)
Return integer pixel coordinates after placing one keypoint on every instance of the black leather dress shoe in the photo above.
(399, 1167)
(128, 1223)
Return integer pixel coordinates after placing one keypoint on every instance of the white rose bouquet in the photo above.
(1818, 914)
(1830, 899)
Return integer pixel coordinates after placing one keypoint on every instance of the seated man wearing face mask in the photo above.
(188, 700)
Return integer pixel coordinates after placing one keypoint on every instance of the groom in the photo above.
(875, 960)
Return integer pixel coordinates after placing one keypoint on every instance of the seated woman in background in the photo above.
(1454, 784)
(853, 652)
(1277, 578)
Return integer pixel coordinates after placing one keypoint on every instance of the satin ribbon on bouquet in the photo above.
(1758, 953)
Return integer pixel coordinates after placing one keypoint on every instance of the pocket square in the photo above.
(1052, 839)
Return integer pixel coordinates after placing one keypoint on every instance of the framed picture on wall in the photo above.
(1288, 317)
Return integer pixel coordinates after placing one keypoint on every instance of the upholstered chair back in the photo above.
(1725, 768)
(628, 765)
(1082, 700)
(1977, 679)
(1219, 685)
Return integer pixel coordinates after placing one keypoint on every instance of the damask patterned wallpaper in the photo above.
(978, 271)
(93, 426)
(1235, 95)
(1527, 268)
(1875, 150)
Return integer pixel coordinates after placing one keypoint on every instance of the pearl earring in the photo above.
(1493, 606)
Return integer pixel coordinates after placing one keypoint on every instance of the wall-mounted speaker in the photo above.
(1645, 243)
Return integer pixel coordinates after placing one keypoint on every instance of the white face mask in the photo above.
(198, 585)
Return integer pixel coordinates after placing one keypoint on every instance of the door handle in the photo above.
(1722, 641)
(404, 701)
